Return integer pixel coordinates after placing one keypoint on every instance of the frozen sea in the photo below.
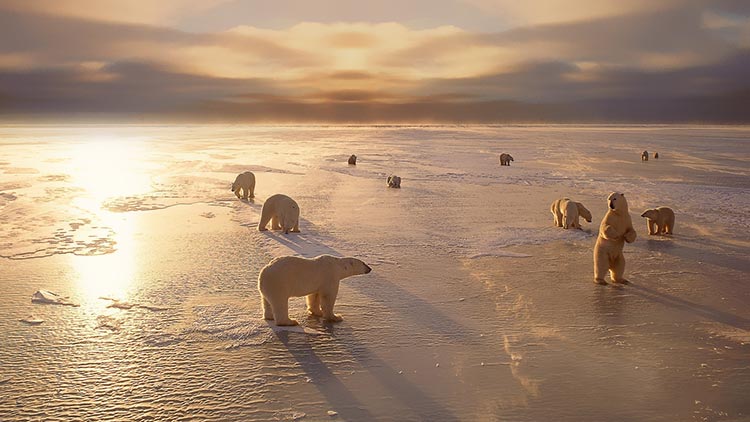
(477, 309)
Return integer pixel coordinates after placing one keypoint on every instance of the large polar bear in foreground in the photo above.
(283, 213)
(615, 230)
(317, 279)
(566, 212)
(245, 182)
(660, 220)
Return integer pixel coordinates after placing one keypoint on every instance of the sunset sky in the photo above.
(376, 61)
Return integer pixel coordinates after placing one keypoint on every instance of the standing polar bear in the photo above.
(615, 230)
(352, 160)
(566, 212)
(245, 182)
(505, 159)
(393, 181)
(317, 279)
(660, 220)
(283, 213)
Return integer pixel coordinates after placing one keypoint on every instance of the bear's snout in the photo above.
(367, 269)
(612, 205)
(643, 215)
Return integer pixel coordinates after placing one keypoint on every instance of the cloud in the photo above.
(635, 53)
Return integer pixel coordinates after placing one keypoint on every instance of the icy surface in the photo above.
(477, 308)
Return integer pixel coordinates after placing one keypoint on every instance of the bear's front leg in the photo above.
(327, 300)
(617, 272)
(651, 227)
(630, 235)
(610, 233)
(275, 223)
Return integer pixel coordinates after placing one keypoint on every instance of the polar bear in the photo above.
(566, 212)
(505, 159)
(393, 181)
(656, 155)
(283, 213)
(317, 279)
(353, 160)
(644, 156)
(615, 230)
(660, 220)
(245, 182)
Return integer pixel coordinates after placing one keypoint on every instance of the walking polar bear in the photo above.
(615, 230)
(505, 159)
(566, 212)
(659, 220)
(283, 213)
(317, 279)
(246, 183)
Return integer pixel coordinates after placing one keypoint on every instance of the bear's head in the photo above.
(510, 157)
(352, 266)
(650, 214)
(583, 212)
(617, 203)
(234, 187)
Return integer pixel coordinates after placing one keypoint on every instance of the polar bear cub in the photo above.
(615, 230)
(660, 220)
(244, 182)
(566, 212)
(283, 213)
(352, 160)
(317, 279)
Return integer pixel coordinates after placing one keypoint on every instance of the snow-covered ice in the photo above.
(477, 308)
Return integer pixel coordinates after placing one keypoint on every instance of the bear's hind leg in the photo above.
(267, 312)
(295, 229)
(313, 305)
(600, 266)
(275, 223)
(281, 314)
(617, 272)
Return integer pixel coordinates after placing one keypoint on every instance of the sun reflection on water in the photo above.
(108, 167)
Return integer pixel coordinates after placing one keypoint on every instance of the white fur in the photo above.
(659, 220)
(566, 212)
(283, 213)
(245, 182)
(615, 230)
(317, 279)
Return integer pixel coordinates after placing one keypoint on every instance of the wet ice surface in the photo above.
(477, 308)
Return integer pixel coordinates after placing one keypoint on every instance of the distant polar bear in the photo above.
(615, 230)
(353, 160)
(245, 182)
(283, 213)
(566, 213)
(644, 156)
(505, 159)
(317, 279)
(659, 220)
(393, 181)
